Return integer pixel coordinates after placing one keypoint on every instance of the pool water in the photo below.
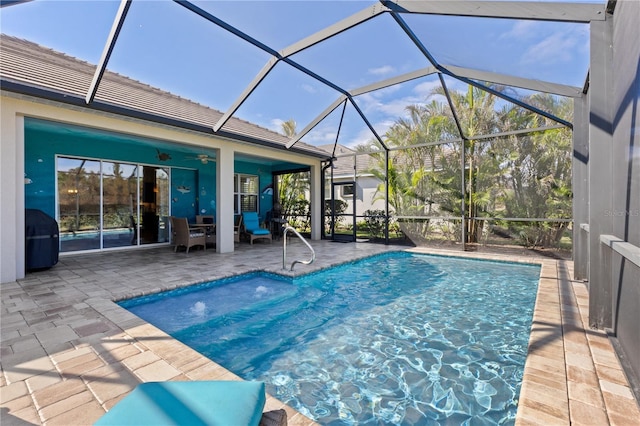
(397, 338)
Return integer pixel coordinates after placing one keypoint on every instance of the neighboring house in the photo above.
(113, 170)
(353, 181)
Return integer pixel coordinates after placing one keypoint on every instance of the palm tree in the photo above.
(293, 188)
(537, 183)
(425, 177)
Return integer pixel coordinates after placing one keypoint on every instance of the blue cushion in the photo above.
(250, 220)
(260, 231)
(214, 403)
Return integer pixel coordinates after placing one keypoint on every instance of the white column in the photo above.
(12, 261)
(316, 202)
(224, 200)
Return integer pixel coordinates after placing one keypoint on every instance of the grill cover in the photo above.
(42, 240)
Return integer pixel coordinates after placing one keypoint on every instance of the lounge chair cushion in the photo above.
(190, 403)
(259, 231)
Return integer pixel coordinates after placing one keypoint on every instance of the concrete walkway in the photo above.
(68, 353)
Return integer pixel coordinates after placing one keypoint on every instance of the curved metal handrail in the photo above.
(284, 249)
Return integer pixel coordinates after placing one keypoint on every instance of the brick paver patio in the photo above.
(68, 353)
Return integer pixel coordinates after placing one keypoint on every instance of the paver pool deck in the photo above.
(69, 353)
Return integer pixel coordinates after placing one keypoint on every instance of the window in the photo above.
(245, 193)
(347, 190)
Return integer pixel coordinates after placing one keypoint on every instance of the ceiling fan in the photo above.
(203, 158)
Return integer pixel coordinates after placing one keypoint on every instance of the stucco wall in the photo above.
(14, 109)
(625, 280)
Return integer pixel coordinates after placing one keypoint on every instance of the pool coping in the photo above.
(174, 354)
(571, 375)
(543, 395)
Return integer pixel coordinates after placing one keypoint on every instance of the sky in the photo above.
(167, 46)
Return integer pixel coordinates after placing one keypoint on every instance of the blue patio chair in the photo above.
(252, 227)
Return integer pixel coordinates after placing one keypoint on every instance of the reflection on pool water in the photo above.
(397, 338)
(84, 235)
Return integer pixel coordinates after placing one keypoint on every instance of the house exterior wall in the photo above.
(613, 184)
(12, 245)
(365, 194)
(625, 181)
(14, 108)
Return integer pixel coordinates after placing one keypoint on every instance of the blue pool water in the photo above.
(397, 338)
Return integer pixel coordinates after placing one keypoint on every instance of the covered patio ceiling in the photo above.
(343, 72)
(187, 151)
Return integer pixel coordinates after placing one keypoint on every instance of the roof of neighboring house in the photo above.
(343, 164)
(31, 69)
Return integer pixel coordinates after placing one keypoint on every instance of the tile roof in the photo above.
(343, 164)
(32, 69)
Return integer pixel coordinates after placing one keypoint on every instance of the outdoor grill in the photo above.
(42, 246)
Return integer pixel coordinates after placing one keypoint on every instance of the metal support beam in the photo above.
(511, 99)
(369, 125)
(517, 132)
(265, 70)
(524, 83)
(386, 195)
(600, 172)
(452, 107)
(245, 94)
(222, 24)
(416, 41)
(328, 111)
(488, 89)
(533, 10)
(393, 81)
(335, 145)
(463, 188)
(108, 49)
(328, 32)
(318, 119)
(5, 3)
(580, 188)
(365, 89)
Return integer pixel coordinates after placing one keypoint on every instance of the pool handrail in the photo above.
(284, 249)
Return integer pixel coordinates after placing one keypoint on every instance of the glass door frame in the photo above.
(343, 237)
(136, 241)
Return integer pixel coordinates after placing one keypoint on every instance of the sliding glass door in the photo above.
(79, 204)
(154, 206)
(119, 204)
(106, 204)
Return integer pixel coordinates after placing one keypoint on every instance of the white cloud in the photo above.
(362, 137)
(320, 138)
(383, 70)
(382, 126)
(556, 48)
(387, 91)
(384, 103)
(398, 107)
(522, 30)
(276, 125)
(308, 88)
(547, 43)
(426, 89)
(322, 134)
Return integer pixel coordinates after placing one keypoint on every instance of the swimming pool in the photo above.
(397, 338)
